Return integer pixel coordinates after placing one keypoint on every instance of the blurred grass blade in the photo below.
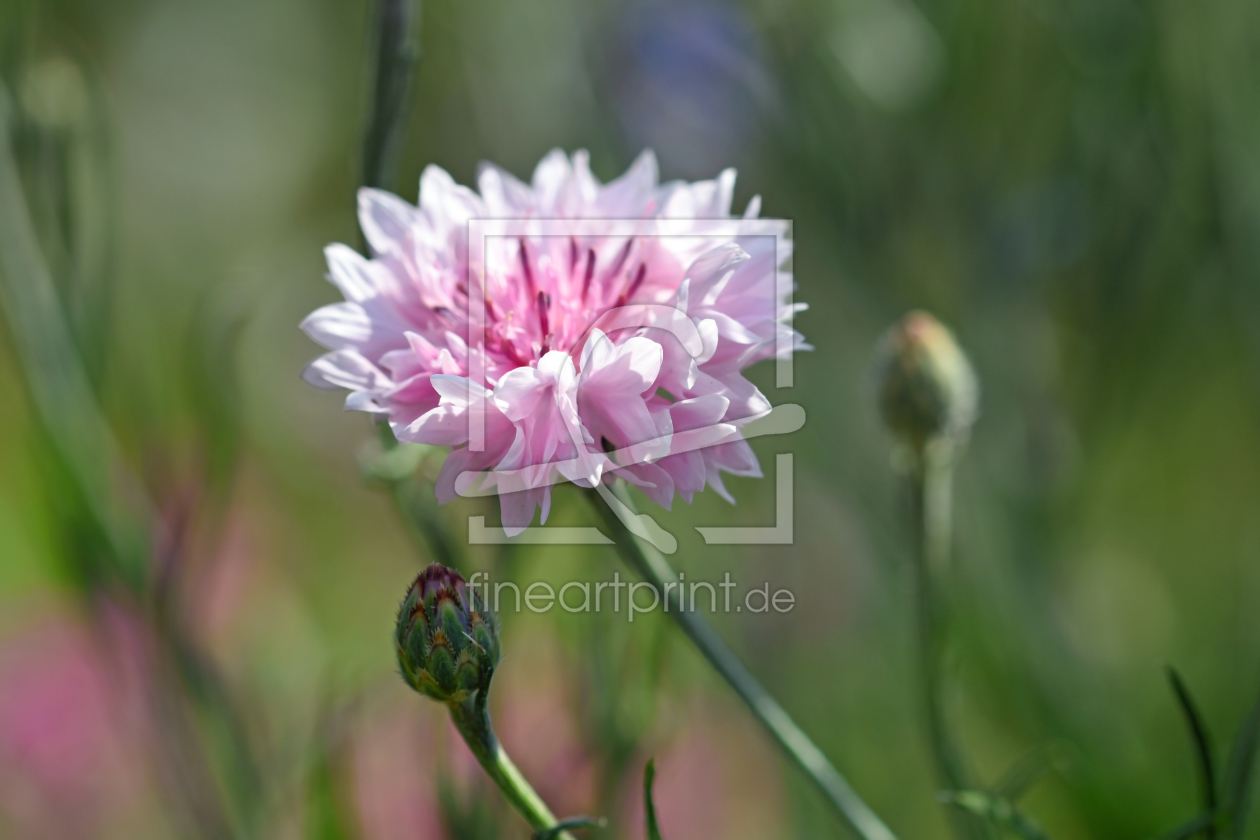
(1190, 828)
(998, 811)
(1202, 743)
(58, 384)
(210, 361)
(649, 807)
(95, 234)
(326, 816)
(471, 820)
(330, 812)
(397, 52)
(1025, 772)
(568, 825)
(1236, 792)
(65, 161)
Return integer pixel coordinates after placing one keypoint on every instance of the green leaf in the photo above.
(569, 825)
(996, 810)
(649, 773)
(1203, 747)
(1238, 772)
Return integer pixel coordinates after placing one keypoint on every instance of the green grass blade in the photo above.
(649, 808)
(1238, 772)
(1203, 746)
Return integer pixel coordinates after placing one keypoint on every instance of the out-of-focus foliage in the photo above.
(1072, 186)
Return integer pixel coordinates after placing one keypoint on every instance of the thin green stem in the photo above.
(652, 566)
(931, 481)
(473, 722)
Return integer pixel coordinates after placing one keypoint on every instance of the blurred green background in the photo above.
(1072, 185)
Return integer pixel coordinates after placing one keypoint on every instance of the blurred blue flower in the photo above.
(688, 80)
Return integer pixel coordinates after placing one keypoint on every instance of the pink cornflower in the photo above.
(573, 373)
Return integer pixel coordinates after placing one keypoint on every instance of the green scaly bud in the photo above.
(447, 640)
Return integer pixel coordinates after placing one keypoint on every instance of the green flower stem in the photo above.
(931, 480)
(415, 503)
(473, 722)
(397, 52)
(652, 566)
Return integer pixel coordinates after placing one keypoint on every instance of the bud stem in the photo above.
(652, 566)
(473, 722)
(930, 479)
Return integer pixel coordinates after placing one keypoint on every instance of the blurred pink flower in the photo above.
(538, 721)
(558, 388)
(63, 751)
(394, 776)
(712, 781)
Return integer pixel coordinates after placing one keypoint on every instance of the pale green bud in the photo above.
(927, 389)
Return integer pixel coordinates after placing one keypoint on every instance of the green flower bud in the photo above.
(447, 640)
(927, 389)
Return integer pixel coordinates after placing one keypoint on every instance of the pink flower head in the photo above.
(612, 352)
